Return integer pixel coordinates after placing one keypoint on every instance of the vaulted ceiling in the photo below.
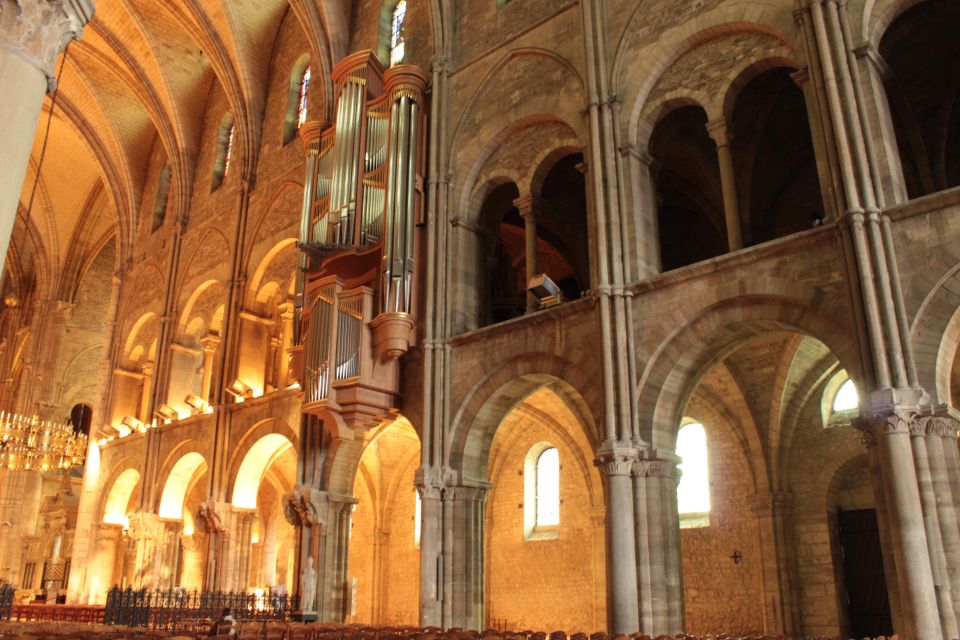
(141, 76)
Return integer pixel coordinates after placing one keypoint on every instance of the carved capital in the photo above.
(38, 30)
(207, 520)
(720, 132)
(615, 459)
(887, 423)
(943, 427)
(467, 494)
(529, 207)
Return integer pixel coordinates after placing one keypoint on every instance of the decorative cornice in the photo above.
(38, 30)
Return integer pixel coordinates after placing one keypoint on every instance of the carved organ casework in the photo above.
(362, 205)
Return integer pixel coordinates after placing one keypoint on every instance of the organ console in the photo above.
(359, 236)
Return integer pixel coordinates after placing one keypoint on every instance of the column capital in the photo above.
(719, 130)
(529, 207)
(468, 494)
(38, 30)
(210, 343)
(617, 458)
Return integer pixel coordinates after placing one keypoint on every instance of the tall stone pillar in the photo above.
(32, 34)
(890, 433)
(657, 533)
(616, 462)
(467, 597)
(529, 207)
(720, 133)
(431, 540)
(772, 510)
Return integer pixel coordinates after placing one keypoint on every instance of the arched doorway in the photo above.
(262, 553)
(115, 560)
(182, 553)
(384, 554)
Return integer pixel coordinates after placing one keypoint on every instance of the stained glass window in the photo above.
(228, 154)
(396, 33)
(304, 93)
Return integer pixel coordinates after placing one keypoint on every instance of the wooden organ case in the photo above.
(360, 230)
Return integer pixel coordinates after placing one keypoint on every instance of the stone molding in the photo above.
(772, 503)
(468, 494)
(38, 30)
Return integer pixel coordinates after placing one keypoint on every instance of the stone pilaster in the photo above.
(781, 612)
(430, 487)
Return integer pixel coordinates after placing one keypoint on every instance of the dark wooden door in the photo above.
(867, 604)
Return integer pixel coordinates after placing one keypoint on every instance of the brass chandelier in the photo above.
(41, 445)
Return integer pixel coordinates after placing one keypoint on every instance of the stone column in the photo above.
(720, 133)
(145, 531)
(772, 511)
(931, 520)
(431, 586)
(905, 520)
(529, 207)
(657, 532)
(467, 560)
(942, 457)
(145, 392)
(616, 462)
(286, 377)
(210, 344)
(32, 34)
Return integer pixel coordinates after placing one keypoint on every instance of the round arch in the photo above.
(180, 479)
(935, 336)
(682, 360)
(505, 387)
(253, 467)
(117, 501)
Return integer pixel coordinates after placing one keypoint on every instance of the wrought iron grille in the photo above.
(165, 609)
(6, 601)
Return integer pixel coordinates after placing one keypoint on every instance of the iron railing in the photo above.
(165, 609)
(6, 601)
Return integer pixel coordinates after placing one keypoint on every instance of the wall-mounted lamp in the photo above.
(166, 413)
(545, 290)
(196, 403)
(131, 424)
(240, 390)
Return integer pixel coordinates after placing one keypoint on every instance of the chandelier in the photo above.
(41, 445)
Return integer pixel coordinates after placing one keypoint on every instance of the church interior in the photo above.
(535, 318)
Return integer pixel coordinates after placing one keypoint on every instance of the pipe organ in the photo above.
(362, 202)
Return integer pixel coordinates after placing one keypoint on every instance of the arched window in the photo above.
(304, 97)
(548, 489)
(224, 155)
(397, 40)
(541, 492)
(847, 398)
(163, 195)
(693, 492)
(80, 417)
(298, 98)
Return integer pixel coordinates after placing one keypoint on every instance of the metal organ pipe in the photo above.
(389, 224)
(408, 257)
(397, 243)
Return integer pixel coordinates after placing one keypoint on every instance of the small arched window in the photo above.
(840, 401)
(548, 489)
(224, 156)
(397, 40)
(81, 416)
(693, 491)
(847, 398)
(163, 195)
(541, 492)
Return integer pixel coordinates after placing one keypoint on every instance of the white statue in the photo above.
(308, 588)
